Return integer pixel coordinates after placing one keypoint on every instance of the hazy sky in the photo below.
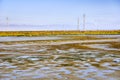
(100, 14)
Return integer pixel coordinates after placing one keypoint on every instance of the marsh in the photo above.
(68, 58)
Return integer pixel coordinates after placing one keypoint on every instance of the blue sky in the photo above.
(100, 14)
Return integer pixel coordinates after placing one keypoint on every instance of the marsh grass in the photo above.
(8, 59)
(68, 46)
(115, 45)
(67, 58)
(112, 44)
(4, 55)
(2, 50)
(54, 33)
(96, 65)
(69, 64)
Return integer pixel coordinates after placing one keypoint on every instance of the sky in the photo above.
(100, 14)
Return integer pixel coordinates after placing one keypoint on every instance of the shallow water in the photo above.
(56, 62)
(5, 39)
(102, 46)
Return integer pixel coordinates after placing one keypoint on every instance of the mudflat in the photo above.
(88, 57)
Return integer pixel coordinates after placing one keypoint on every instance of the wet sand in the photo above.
(76, 59)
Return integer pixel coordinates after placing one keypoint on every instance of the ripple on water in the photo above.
(58, 76)
(90, 79)
(41, 50)
(64, 70)
(24, 57)
(32, 58)
(39, 76)
(11, 67)
(108, 65)
(97, 73)
(45, 68)
(117, 60)
(7, 65)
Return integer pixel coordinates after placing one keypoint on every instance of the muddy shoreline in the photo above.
(72, 58)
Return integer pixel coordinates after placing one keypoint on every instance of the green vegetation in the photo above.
(51, 33)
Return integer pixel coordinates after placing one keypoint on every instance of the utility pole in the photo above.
(84, 21)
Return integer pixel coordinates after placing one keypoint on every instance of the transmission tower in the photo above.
(78, 24)
(7, 21)
(84, 22)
